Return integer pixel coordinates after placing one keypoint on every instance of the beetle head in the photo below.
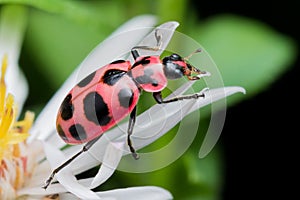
(175, 67)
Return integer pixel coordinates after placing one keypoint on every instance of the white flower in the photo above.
(109, 149)
(21, 169)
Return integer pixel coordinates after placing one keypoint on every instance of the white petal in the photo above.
(132, 193)
(112, 157)
(38, 190)
(72, 185)
(67, 196)
(65, 176)
(145, 193)
(101, 55)
(54, 189)
(12, 28)
(54, 155)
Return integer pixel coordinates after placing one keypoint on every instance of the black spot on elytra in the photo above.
(144, 61)
(125, 97)
(67, 108)
(77, 132)
(86, 80)
(118, 61)
(61, 133)
(112, 76)
(146, 78)
(95, 109)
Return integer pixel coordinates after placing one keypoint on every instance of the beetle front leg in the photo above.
(129, 133)
(158, 97)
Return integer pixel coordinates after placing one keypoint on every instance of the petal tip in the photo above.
(172, 25)
(229, 90)
(240, 89)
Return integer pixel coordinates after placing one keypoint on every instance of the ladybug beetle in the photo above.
(109, 94)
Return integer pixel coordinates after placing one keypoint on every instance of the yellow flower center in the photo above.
(13, 156)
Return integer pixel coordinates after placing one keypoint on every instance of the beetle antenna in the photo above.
(194, 52)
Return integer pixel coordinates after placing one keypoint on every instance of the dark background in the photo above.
(259, 136)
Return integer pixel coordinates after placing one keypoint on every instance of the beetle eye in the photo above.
(175, 57)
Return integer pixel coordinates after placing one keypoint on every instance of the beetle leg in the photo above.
(158, 38)
(193, 78)
(158, 97)
(129, 133)
(55, 171)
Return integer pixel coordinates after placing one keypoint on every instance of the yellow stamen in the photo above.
(7, 117)
(24, 125)
(13, 160)
(2, 83)
(11, 132)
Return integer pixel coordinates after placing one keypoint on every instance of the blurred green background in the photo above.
(253, 45)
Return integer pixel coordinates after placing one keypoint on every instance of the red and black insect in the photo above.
(108, 95)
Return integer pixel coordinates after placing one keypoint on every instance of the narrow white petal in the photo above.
(68, 180)
(67, 196)
(38, 190)
(65, 176)
(54, 155)
(135, 193)
(131, 193)
(101, 55)
(112, 157)
(54, 189)
(216, 94)
(12, 28)
(86, 160)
